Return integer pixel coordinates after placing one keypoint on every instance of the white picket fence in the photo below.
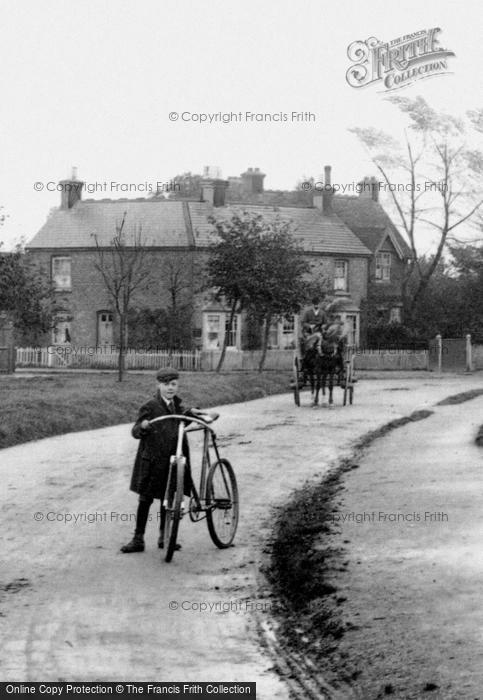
(69, 357)
(277, 360)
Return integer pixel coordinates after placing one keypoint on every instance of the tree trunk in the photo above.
(122, 347)
(266, 333)
(225, 338)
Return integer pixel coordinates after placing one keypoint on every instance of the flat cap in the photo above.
(166, 374)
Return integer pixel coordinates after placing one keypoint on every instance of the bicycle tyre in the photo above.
(222, 503)
(174, 498)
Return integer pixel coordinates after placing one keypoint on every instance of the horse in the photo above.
(322, 362)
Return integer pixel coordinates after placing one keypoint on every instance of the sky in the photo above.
(92, 85)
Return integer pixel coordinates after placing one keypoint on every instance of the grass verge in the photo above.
(305, 557)
(460, 398)
(41, 406)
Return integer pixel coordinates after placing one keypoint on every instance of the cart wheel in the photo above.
(296, 386)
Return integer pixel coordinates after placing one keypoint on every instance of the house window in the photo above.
(215, 326)
(288, 332)
(352, 329)
(340, 276)
(395, 314)
(282, 333)
(61, 276)
(273, 335)
(383, 267)
(231, 331)
(213, 329)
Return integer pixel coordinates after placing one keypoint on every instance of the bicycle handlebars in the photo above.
(191, 419)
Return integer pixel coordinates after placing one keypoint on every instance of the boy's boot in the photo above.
(135, 545)
(137, 542)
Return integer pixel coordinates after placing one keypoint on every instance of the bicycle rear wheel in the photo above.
(222, 503)
(173, 500)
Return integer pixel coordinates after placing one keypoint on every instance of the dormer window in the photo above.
(383, 267)
(61, 274)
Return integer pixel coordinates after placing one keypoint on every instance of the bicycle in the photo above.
(217, 499)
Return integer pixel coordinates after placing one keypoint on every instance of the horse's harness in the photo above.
(316, 341)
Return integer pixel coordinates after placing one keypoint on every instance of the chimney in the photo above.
(252, 181)
(327, 192)
(369, 188)
(71, 191)
(213, 191)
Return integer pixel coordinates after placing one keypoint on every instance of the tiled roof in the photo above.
(314, 231)
(167, 223)
(368, 220)
(162, 223)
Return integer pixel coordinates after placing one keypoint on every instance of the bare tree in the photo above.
(125, 269)
(433, 179)
(177, 279)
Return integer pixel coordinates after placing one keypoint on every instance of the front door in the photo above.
(104, 328)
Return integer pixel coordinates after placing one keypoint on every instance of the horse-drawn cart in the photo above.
(324, 361)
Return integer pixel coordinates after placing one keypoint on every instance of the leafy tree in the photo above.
(256, 266)
(125, 269)
(433, 180)
(233, 254)
(189, 186)
(278, 286)
(26, 295)
(148, 327)
(468, 264)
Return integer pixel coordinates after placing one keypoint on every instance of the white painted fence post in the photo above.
(469, 359)
(439, 350)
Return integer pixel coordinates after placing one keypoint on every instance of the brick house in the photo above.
(364, 215)
(177, 233)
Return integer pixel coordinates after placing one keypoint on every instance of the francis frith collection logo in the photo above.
(399, 62)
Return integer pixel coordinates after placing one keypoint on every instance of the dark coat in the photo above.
(158, 443)
(311, 319)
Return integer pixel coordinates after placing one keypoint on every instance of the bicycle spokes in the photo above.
(222, 503)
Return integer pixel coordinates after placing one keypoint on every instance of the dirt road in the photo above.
(74, 608)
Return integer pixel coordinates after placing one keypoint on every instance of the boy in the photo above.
(158, 443)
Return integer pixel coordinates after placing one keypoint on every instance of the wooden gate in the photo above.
(451, 352)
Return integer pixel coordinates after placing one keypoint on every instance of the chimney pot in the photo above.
(369, 188)
(213, 192)
(327, 192)
(252, 181)
(70, 191)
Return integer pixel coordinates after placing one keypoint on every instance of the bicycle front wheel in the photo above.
(173, 500)
(222, 503)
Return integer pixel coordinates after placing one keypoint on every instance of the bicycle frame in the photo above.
(209, 439)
